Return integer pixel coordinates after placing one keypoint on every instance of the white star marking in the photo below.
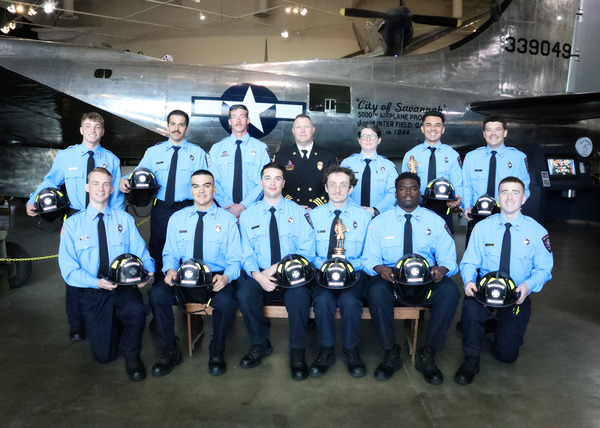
(254, 109)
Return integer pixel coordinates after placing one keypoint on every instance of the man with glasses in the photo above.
(375, 173)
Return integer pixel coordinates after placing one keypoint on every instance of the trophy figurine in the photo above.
(412, 164)
(339, 230)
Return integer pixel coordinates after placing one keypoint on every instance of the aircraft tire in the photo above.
(18, 272)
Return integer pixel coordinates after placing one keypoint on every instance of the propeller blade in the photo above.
(441, 21)
(363, 13)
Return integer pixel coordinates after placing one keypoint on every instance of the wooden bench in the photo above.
(195, 328)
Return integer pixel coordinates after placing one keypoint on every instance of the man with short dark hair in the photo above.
(517, 246)
(410, 229)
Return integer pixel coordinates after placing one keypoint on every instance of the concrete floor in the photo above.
(47, 381)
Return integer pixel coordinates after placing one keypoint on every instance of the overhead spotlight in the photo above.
(285, 34)
(196, 1)
(20, 8)
(49, 7)
(559, 18)
(287, 9)
(31, 11)
(11, 9)
(12, 25)
(202, 16)
(296, 9)
(5, 29)
(304, 11)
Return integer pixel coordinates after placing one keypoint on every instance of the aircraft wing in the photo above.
(555, 109)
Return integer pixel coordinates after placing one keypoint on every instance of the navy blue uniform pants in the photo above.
(114, 321)
(510, 329)
(74, 316)
(350, 302)
(251, 297)
(442, 307)
(162, 297)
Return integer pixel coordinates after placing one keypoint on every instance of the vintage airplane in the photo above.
(534, 62)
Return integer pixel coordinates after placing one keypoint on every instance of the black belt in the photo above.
(175, 205)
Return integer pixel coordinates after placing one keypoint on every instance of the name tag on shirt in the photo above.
(73, 168)
(478, 170)
(159, 162)
(255, 227)
(321, 231)
(83, 238)
(183, 231)
(489, 245)
(389, 237)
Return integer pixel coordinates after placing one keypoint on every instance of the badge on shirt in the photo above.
(290, 220)
(224, 154)
(546, 241)
(446, 159)
(253, 152)
(192, 158)
(120, 228)
(383, 169)
(510, 164)
(218, 227)
(319, 165)
(104, 165)
(355, 224)
(289, 166)
(526, 242)
(428, 232)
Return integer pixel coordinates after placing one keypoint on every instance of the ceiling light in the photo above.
(5, 29)
(20, 8)
(287, 9)
(31, 11)
(202, 16)
(12, 25)
(11, 9)
(285, 34)
(49, 7)
(295, 9)
(304, 11)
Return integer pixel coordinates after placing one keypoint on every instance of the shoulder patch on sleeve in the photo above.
(459, 161)
(546, 241)
(447, 229)
(307, 217)
(527, 166)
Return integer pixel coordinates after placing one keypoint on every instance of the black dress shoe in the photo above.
(467, 371)
(256, 354)
(76, 336)
(356, 366)
(298, 367)
(392, 361)
(426, 365)
(135, 370)
(325, 359)
(170, 357)
(217, 365)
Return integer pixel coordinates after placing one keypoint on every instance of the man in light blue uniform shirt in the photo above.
(172, 162)
(383, 248)
(102, 302)
(447, 161)
(253, 154)
(382, 173)
(71, 168)
(221, 250)
(476, 169)
(530, 265)
(339, 184)
(258, 285)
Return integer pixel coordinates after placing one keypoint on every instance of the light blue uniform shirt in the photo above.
(296, 236)
(447, 162)
(531, 258)
(190, 159)
(431, 239)
(221, 249)
(70, 168)
(509, 162)
(356, 220)
(255, 155)
(383, 177)
(79, 253)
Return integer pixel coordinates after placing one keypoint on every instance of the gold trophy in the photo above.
(412, 164)
(339, 230)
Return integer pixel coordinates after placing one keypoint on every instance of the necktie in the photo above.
(103, 247)
(199, 236)
(170, 192)
(304, 154)
(365, 187)
(90, 166)
(408, 248)
(505, 252)
(237, 174)
(332, 240)
(491, 187)
(431, 172)
(274, 238)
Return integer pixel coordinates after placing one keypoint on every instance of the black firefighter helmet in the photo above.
(337, 273)
(413, 280)
(144, 187)
(127, 269)
(440, 189)
(294, 271)
(496, 290)
(51, 204)
(484, 206)
(194, 273)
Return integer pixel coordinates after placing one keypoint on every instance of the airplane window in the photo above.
(102, 73)
(329, 98)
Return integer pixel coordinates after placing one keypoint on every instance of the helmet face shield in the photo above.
(127, 269)
(194, 273)
(337, 274)
(496, 290)
(294, 271)
(413, 280)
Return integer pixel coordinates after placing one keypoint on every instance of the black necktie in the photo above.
(90, 166)
(170, 192)
(408, 249)
(505, 252)
(103, 247)
(274, 238)
(365, 187)
(332, 240)
(237, 174)
(431, 173)
(491, 188)
(199, 236)
(304, 154)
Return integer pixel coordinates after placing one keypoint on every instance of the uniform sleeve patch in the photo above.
(546, 241)
(307, 217)
(447, 230)
(527, 168)
(459, 161)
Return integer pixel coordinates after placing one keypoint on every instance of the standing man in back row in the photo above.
(172, 162)
(305, 164)
(236, 162)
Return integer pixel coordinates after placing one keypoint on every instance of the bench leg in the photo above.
(192, 331)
